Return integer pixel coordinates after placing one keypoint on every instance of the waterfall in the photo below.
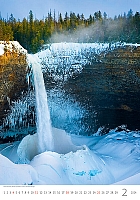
(63, 58)
(44, 129)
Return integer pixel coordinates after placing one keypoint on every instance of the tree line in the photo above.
(33, 33)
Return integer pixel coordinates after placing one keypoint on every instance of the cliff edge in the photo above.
(13, 70)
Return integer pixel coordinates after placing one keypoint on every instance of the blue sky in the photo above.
(40, 8)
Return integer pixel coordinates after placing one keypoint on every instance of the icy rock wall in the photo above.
(13, 66)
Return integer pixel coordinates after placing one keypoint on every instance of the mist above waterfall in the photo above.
(98, 32)
(81, 34)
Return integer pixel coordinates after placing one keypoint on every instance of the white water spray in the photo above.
(44, 130)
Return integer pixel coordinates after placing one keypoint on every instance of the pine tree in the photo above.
(66, 22)
(33, 33)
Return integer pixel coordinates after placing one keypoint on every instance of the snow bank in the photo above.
(50, 168)
(133, 180)
(81, 167)
(1, 49)
(9, 45)
(82, 160)
(15, 174)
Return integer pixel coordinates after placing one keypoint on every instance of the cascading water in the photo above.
(61, 60)
(44, 130)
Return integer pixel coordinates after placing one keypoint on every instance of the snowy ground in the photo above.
(109, 159)
(9, 45)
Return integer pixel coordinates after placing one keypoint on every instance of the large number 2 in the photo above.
(125, 191)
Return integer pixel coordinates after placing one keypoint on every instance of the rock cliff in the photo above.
(110, 85)
(13, 66)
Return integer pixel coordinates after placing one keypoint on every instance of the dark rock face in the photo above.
(13, 70)
(111, 86)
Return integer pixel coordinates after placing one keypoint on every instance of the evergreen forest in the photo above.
(33, 33)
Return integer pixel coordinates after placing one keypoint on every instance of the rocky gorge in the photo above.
(108, 85)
